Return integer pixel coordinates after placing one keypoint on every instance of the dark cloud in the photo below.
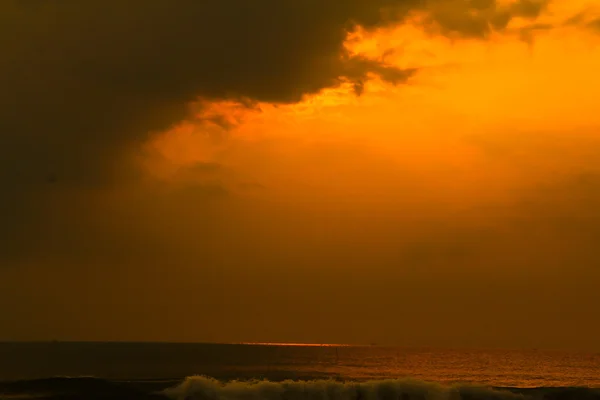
(85, 83)
(595, 24)
(585, 18)
(479, 18)
(527, 33)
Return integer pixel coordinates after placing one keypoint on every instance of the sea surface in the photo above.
(66, 370)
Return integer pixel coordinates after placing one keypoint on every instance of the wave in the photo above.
(207, 388)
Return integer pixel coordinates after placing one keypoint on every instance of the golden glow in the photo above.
(468, 92)
(296, 344)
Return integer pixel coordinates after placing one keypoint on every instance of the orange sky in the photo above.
(482, 124)
(462, 201)
(471, 94)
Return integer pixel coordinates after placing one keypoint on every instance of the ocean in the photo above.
(65, 370)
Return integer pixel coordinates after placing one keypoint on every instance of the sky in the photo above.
(404, 172)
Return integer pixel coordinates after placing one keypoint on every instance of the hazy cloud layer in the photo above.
(334, 229)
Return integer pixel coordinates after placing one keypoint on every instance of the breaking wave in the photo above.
(206, 388)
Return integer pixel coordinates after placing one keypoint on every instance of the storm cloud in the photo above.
(85, 83)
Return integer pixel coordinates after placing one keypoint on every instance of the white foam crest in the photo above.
(205, 388)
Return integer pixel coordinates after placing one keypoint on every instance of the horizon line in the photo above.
(299, 344)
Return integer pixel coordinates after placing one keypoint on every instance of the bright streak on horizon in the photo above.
(296, 344)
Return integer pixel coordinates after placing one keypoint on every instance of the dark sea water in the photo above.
(61, 370)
